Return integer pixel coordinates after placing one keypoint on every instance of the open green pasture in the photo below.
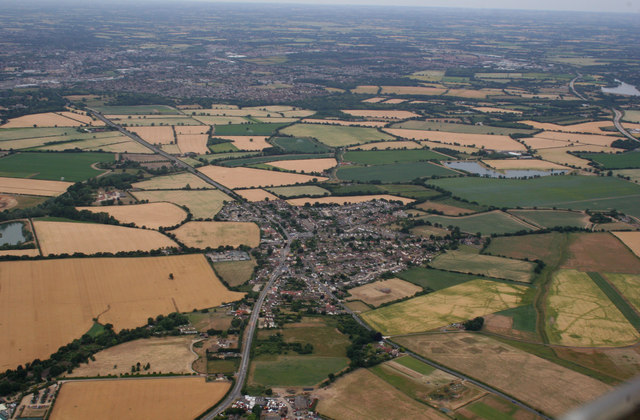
(53, 166)
(395, 172)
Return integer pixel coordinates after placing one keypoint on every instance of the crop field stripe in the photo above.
(617, 299)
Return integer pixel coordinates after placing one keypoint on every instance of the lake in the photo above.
(622, 89)
(476, 168)
(11, 233)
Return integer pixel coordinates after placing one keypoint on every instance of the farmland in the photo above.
(386, 157)
(249, 177)
(172, 182)
(434, 279)
(600, 252)
(395, 172)
(388, 145)
(305, 165)
(380, 115)
(493, 363)
(336, 136)
(347, 199)
(628, 285)
(161, 398)
(548, 247)
(583, 315)
(201, 203)
(459, 128)
(249, 143)
(50, 303)
(53, 166)
(454, 304)
(215, 234)
(485, 223)
(193, 143)
(299, 145)
(552, 218)
(486, 141)
(631, 240)
(383, 291)
(155, 135)
(627, 160)
(48, 119)
(485, 265)
(450, 210)
(151, 215)
(256, 194)
(258, 129)
(33, 186)
(235, 273)
(308, 190)
(542, 165)
(138, 110)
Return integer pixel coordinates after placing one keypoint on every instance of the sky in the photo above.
(616, 6)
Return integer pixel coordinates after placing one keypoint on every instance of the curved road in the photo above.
(616, 121)
(573, 89)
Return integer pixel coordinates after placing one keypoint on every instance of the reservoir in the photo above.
(622, 89)
(11, 233)
(477, 168)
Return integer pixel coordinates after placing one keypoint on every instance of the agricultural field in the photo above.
(581, 314)
(172, 182)
(394, 172)
(628, 160)
(446, 209)
(50, 138)
(632, 115)
(485, 265)
(257, 129)
(411, 90)
(374, 124)
(57, 238)
(388, 145)
(547, 247)
(564, 155)
(158, 398)
(383, 291)
(578, 139)
(235, 273)
(484, 141)
(494, 363)
(260, 160)
(219, 120)
(299, 145)
(631, 240)
(250, 177)
(295, 191)
(429, 278)
(541, 165)
(137, 110)
(305, 165)
(575, 192)
(33, 186)
(193, 143)
(380, 114)
(215, 234)
(600, 252)
(553, 218)
(155, 135)
(346, 199)
(391, 156)
(53, 166)
(336, 136)
(202, 204)
(115, 144)
(485, 223)
(459, 128)
(256, 194)
(446, 306)
(165, 355)
(20, 252)
(250, 143)
(47, 119)
(427, 231)
(49, 303)
(150, 215)
(628, 285)
(374, 400)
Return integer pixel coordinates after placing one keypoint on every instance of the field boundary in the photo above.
(617, 299)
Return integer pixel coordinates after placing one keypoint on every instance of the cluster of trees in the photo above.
(275, 344)
(474, 324)
(360, 351)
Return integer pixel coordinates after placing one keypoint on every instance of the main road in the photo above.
(616, 121)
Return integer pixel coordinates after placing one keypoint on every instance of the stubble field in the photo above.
(202, 203)
(151, 215)
(214, 234)
(33, 186)
(249, 177)
(383, 291)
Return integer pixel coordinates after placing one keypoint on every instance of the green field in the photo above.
(395, 172)
(224, 366)
(27, 138)
(415, 364)
(257, 129)
(619, 301)
(137, 110)
(629, 160)
(632, 115)
(490, 413)
(164, 121)
(524, 317)
(485, 223)
(371, 157)
(335, 135)
(434, 279)
(628, 285)
(264, 159)
(548, 247)
(417, 192)
(552, 218)
(573, 192)
(53, 166)
(223, 147)
(299, 145)
(235, 273)
(299, 191)
(486, 265)
(296, 370)
(460, 128)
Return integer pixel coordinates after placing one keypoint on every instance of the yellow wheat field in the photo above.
(411, 90)
(306, 165)
(202, 203)
(159, 398)
(57, 238)
(48, 303)
(245, 112)
(384, 145)
(631, 240)
(381, 114)
(20, 252)
(489, 109)
(47, 119)
(192, 129)
(155, 135)
(463, 149)
(256, 194)
(172, 182)
(346, 123)
(394, 101)
(561, 155)
(488, 141)
(578, 139)
(219, 120)
(383, 291)
(247, 142)
(214, 234)
(542, 165)
(474, 94)
(151, 215)
(193, 143)
(594, 127)
(347, 199)
(374, 100)
(33, 186)
(82, 118)
(249, 177)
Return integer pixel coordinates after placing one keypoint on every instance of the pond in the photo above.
(622, 89)
(11, 233)
(477, 168)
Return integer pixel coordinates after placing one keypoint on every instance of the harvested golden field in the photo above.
(115, 144)
(165, 355)
(486, 141)
(277, 120)
(336, 136)
(373, 100)
(256, 194)
(543, 165)
(594, 127)
(542, 143)
(305, 165)
(47, 119)
(82, 118)
(388, 145)
(473, 93)
(172, 182)
(562, 156)
(631, 240)
(172, 149)
(244, 112)
(345, 123)
(394, 101)
(193, 143)
(160, 398)
(192, 129)
(348, 399)
(446, 209)
(381, 114)
(219, 120)
(33, 186)
(248, 142)
(214, 234)
(48, 303)
(203, 204)
(150, 215)
(250, 177)
(601, 252)
(298, 113)
(578, 139)
(366, 89)
(443, 307)
(20, 252)
(7, 202)
(383, 291)
(463, 149)
(347, 199)
(57, 238)
(579, 314)
(489, 109)
(155, 135)
(412, 90)
(549, 387)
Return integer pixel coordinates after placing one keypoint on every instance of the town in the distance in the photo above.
(233, 211)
